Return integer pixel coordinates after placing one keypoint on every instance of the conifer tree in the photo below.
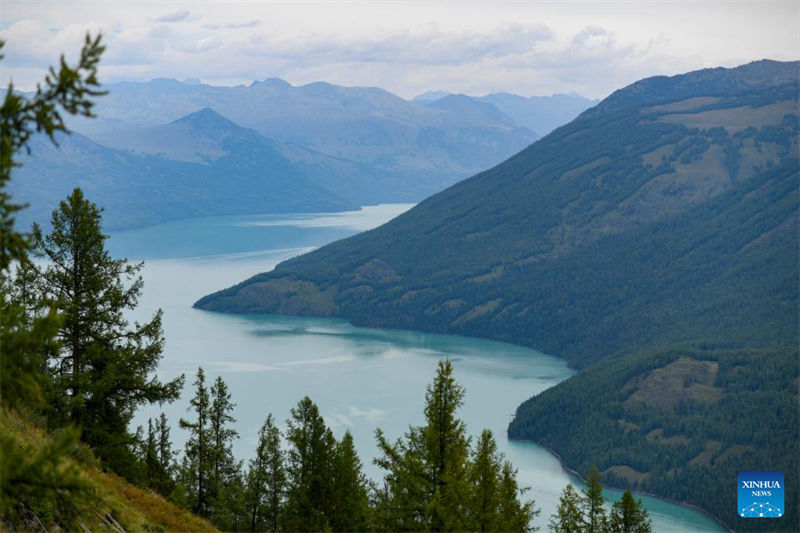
(515, 515)
(594, 514)
(224, 480)
(431, 484)
(197, 460)
(484, 477)
(309, 467)
(629, 516)
(36, 480)
(104, 370)
(568, 517)
(266, 480)
(150, 455)
(447, 448)
(426, 480)
(166, 457)
(350, 488)
(156, 456)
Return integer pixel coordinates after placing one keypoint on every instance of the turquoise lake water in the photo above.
(361, 379)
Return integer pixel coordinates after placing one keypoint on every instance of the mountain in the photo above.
(540, 114)
(199, 138)
(427, 148)
(652, 242)
(219, 168)
(430, 96)
(466, 259)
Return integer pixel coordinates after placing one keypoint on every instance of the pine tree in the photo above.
(484, 477)
(629, 516)
(594, 514)
(514, 514)
(105, 368)
(166, 458)
(266, 480)
(426, 481)
(150, 455)
(309, 467)
(197, 458)
(36, 480)
(447, 447)
(156, 456)
(568, 517)
(350, 488)
(224, 480)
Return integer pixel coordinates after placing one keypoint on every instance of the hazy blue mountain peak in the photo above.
(272, 83)
(467, 107)
(430, 96)
(205, 117)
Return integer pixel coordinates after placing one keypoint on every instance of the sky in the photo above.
(530, 48)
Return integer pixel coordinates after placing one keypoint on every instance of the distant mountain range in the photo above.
(362, 124)
(167, 149)
(540, 114)
(652, 241)
(217, 168)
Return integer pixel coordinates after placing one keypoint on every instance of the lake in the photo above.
(361, 379)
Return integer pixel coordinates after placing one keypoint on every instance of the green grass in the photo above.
(63, 487)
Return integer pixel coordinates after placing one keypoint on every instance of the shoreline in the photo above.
(643, 493)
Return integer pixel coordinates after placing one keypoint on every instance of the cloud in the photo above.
(234, 26)
(415, 47)
(177, 16)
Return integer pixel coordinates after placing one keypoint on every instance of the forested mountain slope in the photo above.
(538, 250)
(651, 242)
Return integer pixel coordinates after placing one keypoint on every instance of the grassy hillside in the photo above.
(59, 484)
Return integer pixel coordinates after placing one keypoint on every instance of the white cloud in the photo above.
(528, 48)
(178, 16)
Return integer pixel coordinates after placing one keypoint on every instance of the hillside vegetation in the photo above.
(583, 245)
(79, 493)
(652, 242)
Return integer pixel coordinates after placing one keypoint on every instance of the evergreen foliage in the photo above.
(310, 503)
(39, 487)
(584, 513)
(432, 485)
(628, 516)
(494, 503)
(594, 515)
(680, 447)
(266, 480)
(225, 486)
(156, 457)
(197, 457)
(70, 90)
(350, 489)
(568, 517)
(649, 225)
(104, 369)
(48, 480)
